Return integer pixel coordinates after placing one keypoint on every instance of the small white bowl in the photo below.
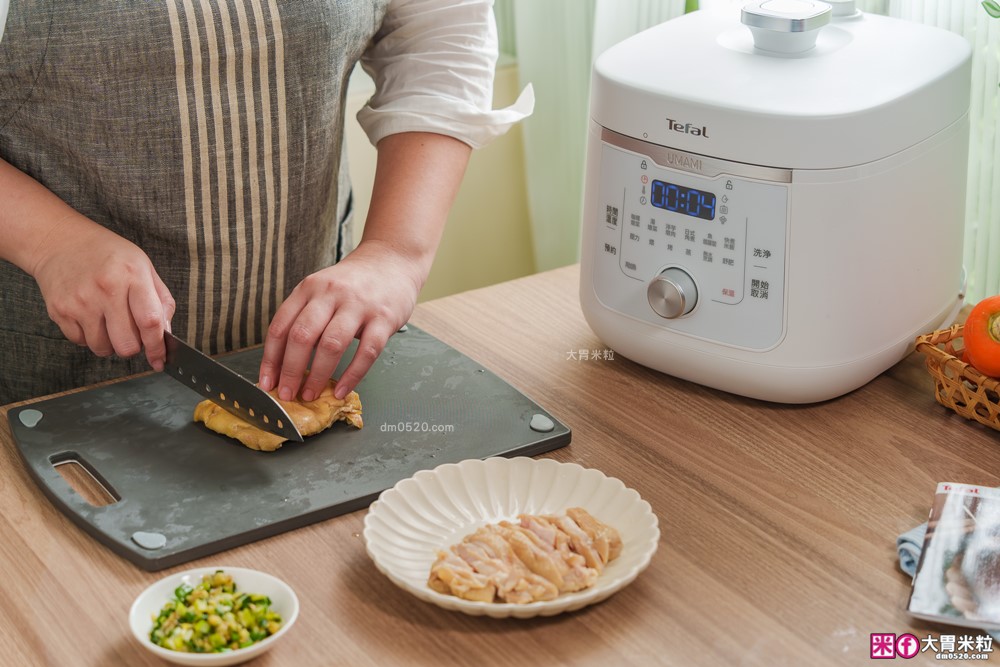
(149, 603)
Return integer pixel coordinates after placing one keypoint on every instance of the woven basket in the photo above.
(958, 385)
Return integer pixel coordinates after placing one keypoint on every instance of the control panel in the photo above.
(692, 243)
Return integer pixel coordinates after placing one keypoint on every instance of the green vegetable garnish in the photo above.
(213, 618)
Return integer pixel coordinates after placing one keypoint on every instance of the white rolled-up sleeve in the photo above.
(4, 6)
(433, 63)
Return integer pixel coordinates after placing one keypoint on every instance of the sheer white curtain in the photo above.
(982, 214)
(553, 41)
(556, 42)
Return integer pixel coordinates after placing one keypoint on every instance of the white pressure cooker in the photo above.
(775, 198)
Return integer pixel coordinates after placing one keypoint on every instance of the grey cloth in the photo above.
(209, 134)
(908, 546)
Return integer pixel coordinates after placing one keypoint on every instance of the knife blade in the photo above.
(227, 388)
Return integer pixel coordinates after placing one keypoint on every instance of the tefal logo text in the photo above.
(687, 128)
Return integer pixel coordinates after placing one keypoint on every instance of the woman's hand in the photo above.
(372, 292)
(369, 295)
(102, 290)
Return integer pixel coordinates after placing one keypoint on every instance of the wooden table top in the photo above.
(778, 523)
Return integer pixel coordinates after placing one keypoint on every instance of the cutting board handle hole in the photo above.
(84, 479)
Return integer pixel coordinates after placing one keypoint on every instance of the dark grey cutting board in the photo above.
(200, 493)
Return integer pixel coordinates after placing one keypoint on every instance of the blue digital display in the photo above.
(681, 199)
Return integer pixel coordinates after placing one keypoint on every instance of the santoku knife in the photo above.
(228, 389)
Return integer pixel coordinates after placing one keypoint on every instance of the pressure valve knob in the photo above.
(785, 26)
(672, 293)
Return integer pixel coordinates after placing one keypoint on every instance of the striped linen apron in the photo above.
(207, 133)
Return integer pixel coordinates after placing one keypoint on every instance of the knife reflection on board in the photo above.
(227, 388)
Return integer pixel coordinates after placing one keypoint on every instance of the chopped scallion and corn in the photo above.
(213, 617)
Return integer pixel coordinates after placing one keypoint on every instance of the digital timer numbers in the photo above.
(681, 199)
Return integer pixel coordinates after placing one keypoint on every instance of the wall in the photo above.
(488, 237)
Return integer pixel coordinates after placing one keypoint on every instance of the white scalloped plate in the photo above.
(411, 522)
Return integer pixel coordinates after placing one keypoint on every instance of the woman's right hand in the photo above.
(102, 290)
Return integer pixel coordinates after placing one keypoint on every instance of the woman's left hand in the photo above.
(368, 295)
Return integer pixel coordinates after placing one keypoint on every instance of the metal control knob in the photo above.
(672, 293)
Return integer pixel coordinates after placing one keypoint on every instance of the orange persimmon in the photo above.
(982, 336)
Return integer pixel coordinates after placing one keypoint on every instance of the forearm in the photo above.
(416, 180)
(30, 217)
